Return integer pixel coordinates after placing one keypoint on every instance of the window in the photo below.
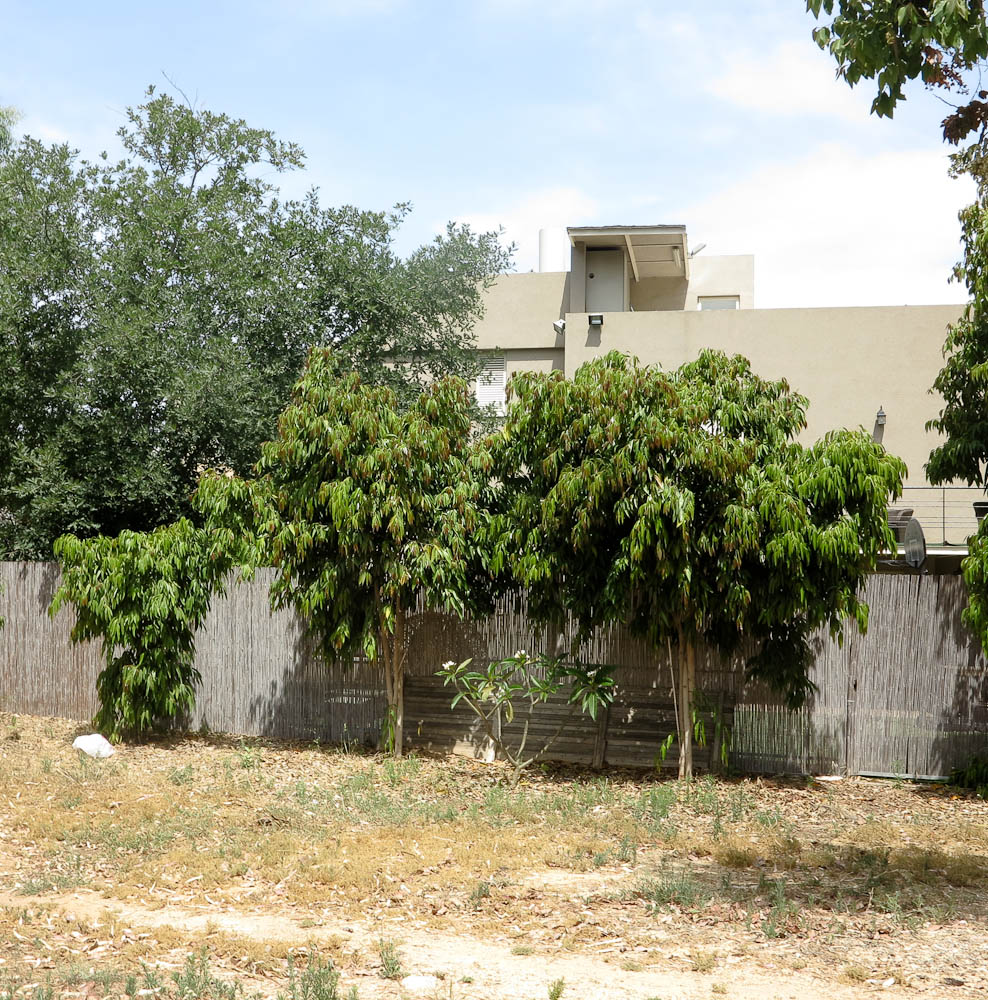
(718, 302)
(491, 383)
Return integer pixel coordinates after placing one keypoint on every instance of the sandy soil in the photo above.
(880, 886)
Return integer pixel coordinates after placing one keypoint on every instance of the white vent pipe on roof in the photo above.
(554, 250)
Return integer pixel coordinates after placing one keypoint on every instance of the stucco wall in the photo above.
(538, 359)
(519, 310)
(848, 361)
(727, 275)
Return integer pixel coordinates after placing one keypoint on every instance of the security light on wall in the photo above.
(559, 326)
(596, 319)
(879, 432)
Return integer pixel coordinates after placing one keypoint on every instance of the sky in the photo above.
(718, 115)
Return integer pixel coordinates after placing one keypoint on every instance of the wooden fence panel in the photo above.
(769, 737)
(918, 682)
(41, 671)
(910, 696)
(261, 676)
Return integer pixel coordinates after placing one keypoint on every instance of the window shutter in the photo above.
(491, 383)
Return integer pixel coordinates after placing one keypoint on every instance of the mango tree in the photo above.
(362, 506)
(143, 595)
(679, 504)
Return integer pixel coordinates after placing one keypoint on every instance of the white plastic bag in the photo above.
(94, 745)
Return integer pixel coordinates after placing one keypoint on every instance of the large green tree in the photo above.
(679, 504)
(156, 310)
(366, 506)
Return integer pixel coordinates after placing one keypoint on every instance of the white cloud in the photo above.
(549, 208)
(38, 129)
(795, 78)
(842, 228)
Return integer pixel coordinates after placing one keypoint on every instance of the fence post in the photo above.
(600, 738)
(852, 687)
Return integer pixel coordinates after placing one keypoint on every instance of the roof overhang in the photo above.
(652, 251)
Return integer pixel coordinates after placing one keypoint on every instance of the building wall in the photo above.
(519, 310)
(708, 276)
(848, 361)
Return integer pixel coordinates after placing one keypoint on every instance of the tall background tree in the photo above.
(155, 312)
(678, 504)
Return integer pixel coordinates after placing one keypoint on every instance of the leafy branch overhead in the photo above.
(939, 42)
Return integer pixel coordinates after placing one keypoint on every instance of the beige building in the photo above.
(640, 290)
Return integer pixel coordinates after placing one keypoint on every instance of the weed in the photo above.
(480, 892)
(250, 757)
(319, 980)
(739, 803)
(57, 881)
(105, 980)
(522, 949)
(765, 818)
(681, 888)
(783, 915)
(654, 804)
(390, 957)
(182, 775)
(196, 982)
(701, 795)
(703, 961)
(627, 851)
(74, 974)
(396, 772)
(718, 988)
(854, 974)
(556, 988)
(898, 771)
(152, 977)
(974, 776)
(130, 986)
(43, 991)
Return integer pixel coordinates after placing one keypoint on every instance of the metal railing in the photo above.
(945, 512)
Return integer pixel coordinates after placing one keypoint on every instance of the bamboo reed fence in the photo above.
(910, 697)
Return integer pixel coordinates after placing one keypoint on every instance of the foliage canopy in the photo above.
(142, 596)
(679, 504)
(365, 507)
(895, 41)
(156, 310)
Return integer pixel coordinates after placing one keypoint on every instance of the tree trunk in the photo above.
(687, 675)
(398, 683)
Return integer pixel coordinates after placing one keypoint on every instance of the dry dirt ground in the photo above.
(208, 868)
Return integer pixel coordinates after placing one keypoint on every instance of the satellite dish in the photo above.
(915, 543)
